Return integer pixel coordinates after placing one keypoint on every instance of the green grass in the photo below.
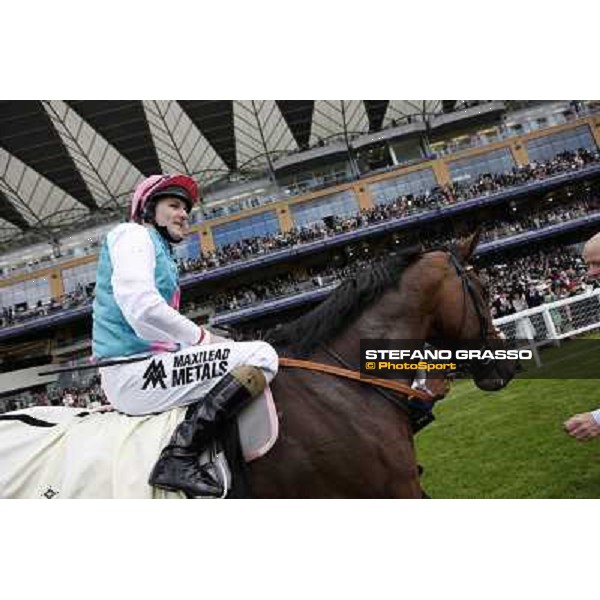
(510, 444)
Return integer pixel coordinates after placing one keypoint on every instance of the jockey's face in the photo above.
(171, 212)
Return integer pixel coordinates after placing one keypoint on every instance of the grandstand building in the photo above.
(298, 195)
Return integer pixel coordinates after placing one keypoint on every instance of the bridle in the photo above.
(416, 403)
(469, 290)
(485, 323)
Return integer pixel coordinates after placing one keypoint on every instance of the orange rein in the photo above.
(395, 386)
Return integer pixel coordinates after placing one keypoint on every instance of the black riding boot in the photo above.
(178, 467)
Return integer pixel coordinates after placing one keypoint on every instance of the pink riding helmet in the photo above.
(154, 184)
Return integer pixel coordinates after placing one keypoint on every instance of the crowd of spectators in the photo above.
(87, 395)
(79, 297)
(519, 222)
(534, 279)
(255, 246)
(281, 286)
(496, 229)
(332, 226)
(564, 162)
(520, 284)
(515, 285)
(402, 206)
(493, 229)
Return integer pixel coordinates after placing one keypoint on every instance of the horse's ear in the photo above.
(466, 247)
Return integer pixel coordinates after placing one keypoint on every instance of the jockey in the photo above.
(136, 313)
(587, 425)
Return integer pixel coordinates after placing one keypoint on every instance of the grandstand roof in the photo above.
(67, 163)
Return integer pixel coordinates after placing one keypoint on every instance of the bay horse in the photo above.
(339, 438)
(342, 438)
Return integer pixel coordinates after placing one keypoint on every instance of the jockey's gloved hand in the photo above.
(218, 335)
(217, 339)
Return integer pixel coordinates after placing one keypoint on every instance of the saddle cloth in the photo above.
(59, 452)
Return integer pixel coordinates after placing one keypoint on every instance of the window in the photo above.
(316, 178)
(82, 274)
(259, 225)
(27, 293)
(416, 183)
(407, 150)
(342, 204)
(547, 147)
(498, 161)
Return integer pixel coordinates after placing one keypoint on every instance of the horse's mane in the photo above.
(343, 306)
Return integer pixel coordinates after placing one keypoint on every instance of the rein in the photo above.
(395, 386)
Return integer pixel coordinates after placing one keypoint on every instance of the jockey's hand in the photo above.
(438, 388)
(582, 427)
(217, 339)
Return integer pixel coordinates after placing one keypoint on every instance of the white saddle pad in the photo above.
(58, 454)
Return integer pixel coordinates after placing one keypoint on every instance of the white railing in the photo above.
(552, 322)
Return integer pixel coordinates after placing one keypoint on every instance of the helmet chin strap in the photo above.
(149, 216)
(164, 232)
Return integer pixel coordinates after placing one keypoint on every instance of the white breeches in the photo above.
(167, 380)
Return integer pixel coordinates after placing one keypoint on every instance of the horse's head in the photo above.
(409, 296)
(461, 311)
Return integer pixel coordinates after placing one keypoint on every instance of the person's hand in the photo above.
(582, 427)
(437, 388)
(217, 339)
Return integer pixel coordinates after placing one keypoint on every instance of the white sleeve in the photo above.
(133, 259)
